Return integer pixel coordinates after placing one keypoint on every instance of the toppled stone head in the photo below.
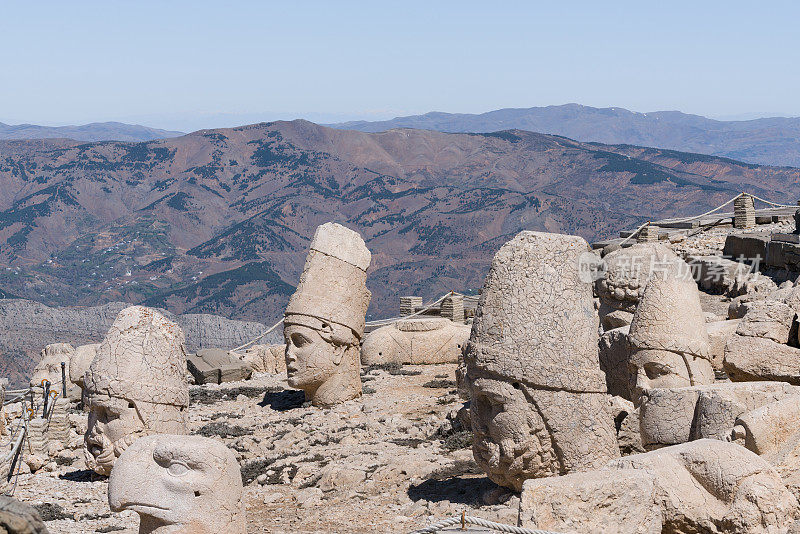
(49, 368)
(179, 485)
(668, 336)
(538, 404)
(324, 320)
(135, 386)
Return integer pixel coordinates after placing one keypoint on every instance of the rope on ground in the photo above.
(384, 322)
(465, 519)
(262, 334)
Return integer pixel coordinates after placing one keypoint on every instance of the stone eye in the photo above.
(177, 469)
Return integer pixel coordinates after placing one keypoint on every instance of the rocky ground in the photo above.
(392, 461)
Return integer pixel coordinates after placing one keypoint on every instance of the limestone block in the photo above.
(215, 366)
(538, 396)
(755, 358)
(713, 486)
(615, 355)
(266, 358)
(670, 416)
(44, 431)
(179, 484)
(428, 340)
(19, 518)
(621, 502)
(718, 334)
(80, 362)
(136, 385)
(769, 319)
(453, 308)
(324, 320)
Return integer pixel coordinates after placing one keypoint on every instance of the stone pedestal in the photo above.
(648, 234)
(744, 212)
(408, 305)
(453, 308)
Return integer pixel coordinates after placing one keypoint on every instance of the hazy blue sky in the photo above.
(186, 65)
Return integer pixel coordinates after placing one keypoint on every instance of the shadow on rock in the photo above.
(81, 475)
(460, 489)
(281, 401)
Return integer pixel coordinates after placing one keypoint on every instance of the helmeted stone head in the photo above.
(49, 368)
(668, 336)
(179, 485)
(324, 320)
(136, 385)
(532, 368)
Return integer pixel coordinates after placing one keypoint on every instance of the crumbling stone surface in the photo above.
(179, 483)
(324, 320)
(756, 358)
(615, 356)
(426, 340)
(538, 397)
(136, 385)
(706, 486)
(718, 334)
(769, 319)
(80, 362)
(19, 518)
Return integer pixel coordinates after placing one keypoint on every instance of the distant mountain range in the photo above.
(219, 221)
(96, 131)
(772, 141)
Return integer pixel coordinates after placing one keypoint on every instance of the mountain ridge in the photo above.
(95, 131)
(219, 221)
(768, 141)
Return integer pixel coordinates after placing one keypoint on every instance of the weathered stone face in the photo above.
(324, 320)
(668, 336)
(179, 484)
(510, 440)
(538, 395)
(136, 385)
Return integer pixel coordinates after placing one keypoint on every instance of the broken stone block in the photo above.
(706, 486)
(615, 355)
(669, 416)
(620, 502)
(750, 358)
(718, 334)
(427, 340)
(769, 319)
(215, 366)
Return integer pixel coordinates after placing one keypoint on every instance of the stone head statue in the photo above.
(627, 272)
(324, 320)
(179, 485)
(49, 368)
(136, 385)
(532, 367)
(668, 336)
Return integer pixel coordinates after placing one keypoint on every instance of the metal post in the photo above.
(46, 396)
(64, 379)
